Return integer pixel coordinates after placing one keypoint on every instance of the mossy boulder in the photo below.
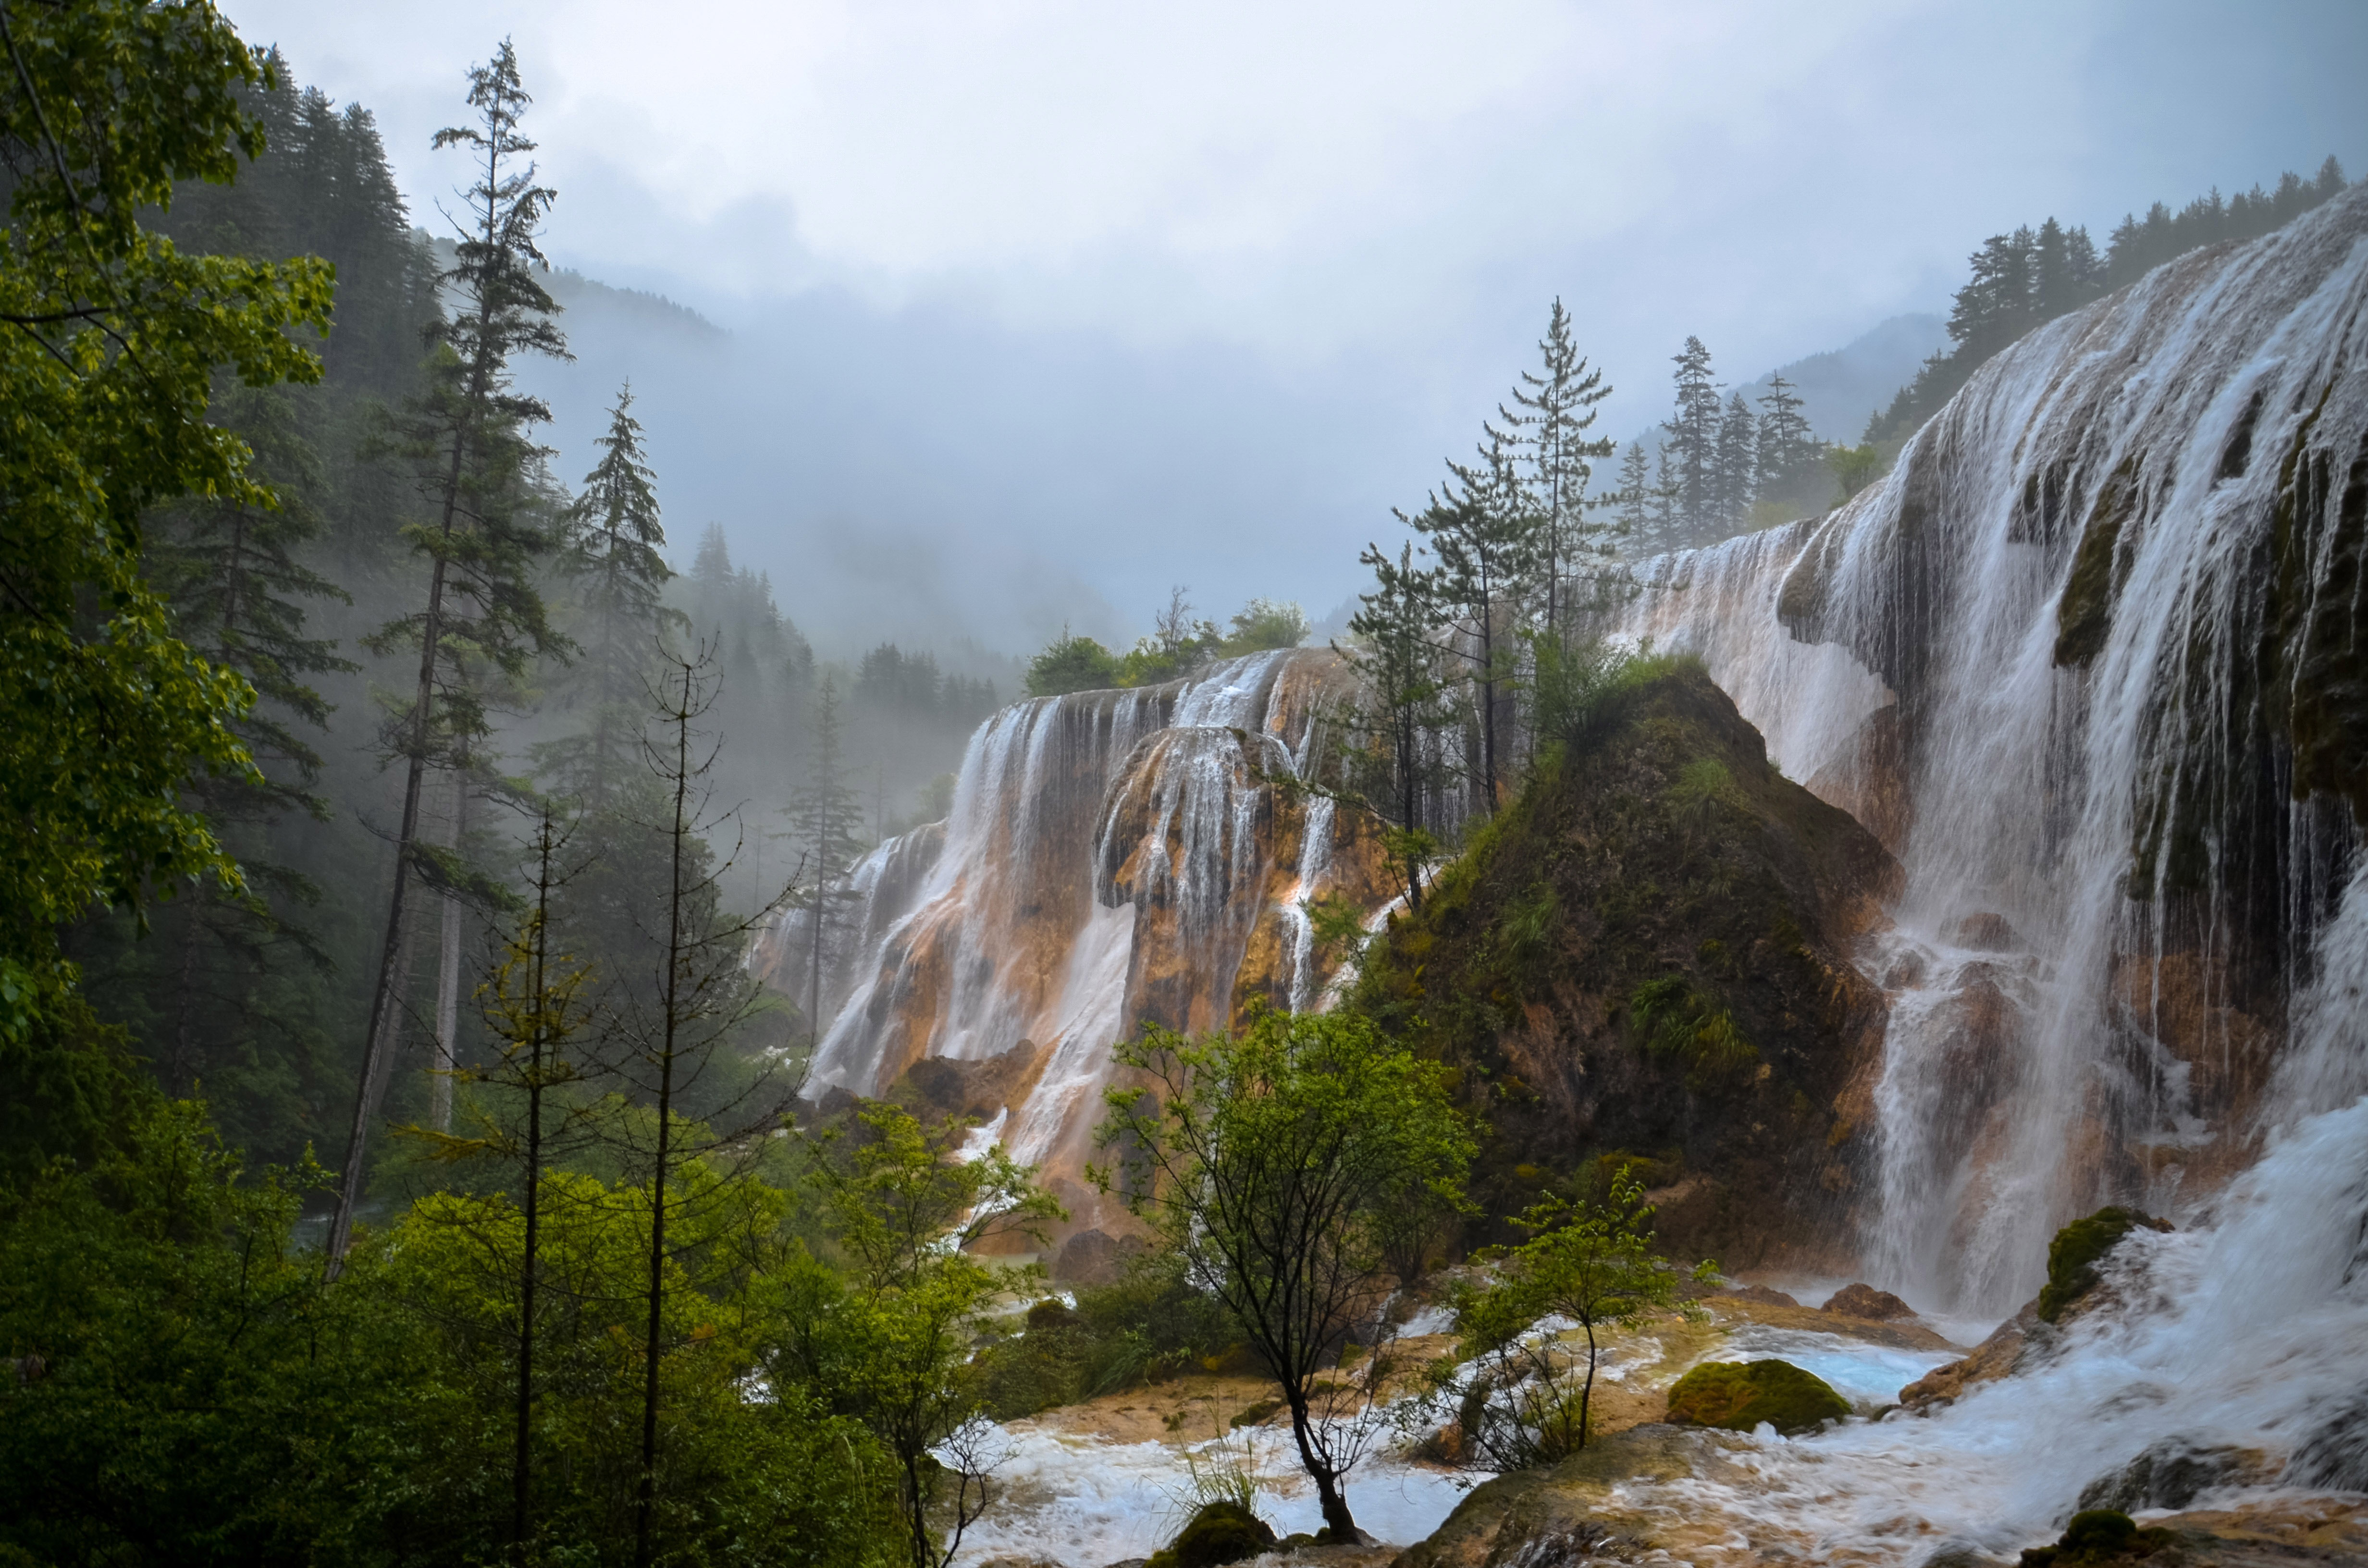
(1739, 1395)
(1220, 1532)
(2073, 1255)
(2097, 1535)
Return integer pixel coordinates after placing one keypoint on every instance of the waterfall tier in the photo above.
(1112, 857)
(2090, 661)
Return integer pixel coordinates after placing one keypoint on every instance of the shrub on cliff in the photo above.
(1739, 1395)
(1071, 664)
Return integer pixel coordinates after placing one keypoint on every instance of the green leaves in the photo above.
(109, 340)
(1591, 1262)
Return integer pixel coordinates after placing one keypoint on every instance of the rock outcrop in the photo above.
(1646, 959)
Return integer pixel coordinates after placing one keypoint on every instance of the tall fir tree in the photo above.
(1636, 515)
(1691, 453)
(1787, 449)
(483, 617)
(234, 571)
(612, 556)
(1738, 466)
(1398, 652)
(1488, 534)
(1552, 409)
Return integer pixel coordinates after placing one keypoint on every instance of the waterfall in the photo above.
(2089, 660)
(1110, 857)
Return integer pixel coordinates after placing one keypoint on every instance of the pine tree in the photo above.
(1693, 441)
(1738, 462)
(231, 568)
(1667, 529)
(482, 618)
(1398, 652)
(1786, 447)
(1488, 534)
(613, 554)
(826, 823)
(1549, 420)
(1636, 499)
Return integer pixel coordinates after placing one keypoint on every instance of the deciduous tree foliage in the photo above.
(110, 340)
(1270, 1160)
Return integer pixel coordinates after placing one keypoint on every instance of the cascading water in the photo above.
(1110, 857)
(2082, 661)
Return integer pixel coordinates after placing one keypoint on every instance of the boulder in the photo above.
(1865, 1301)
(1993, 1359)
(1986, 932)
(2174, 1472)
(1219, 1533)
(2078, 1247)
(1739, 1395)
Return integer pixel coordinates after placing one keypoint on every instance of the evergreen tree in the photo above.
(1636, 499)
(1398, 652)
(483, 616)
(1489, 536)
(827, 823)
(1737, 471)
(232, 570)
(1693, 450)
(612, 554)
(1552, 409)
(1787, 449)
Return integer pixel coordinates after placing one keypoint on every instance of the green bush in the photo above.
(1071, 664)
(1739, 1395)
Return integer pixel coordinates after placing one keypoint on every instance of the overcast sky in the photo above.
(1086, 298)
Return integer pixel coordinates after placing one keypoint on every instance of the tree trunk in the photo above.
(647, 1501)
(447, 977)
(1328, 1495)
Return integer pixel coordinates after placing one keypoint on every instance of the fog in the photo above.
(1022, 314)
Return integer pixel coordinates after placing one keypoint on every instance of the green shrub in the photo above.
(1071, 664)
(1739, 1395)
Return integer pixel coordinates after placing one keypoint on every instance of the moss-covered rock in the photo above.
(1220, 1532)
(2073, 1255)
(1739, 1395)
(1645, 958)
(2096, 1535)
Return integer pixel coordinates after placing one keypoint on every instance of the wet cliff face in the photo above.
(1649, 956)
(2093, 662)
(1112, 857)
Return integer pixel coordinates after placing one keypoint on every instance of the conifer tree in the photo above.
(231, 568)
(1398, 653)
(1636, 514)
(672, 1029)
(613, 554)
(1787, 449)
(1737, 470)
(481, 615)
(1549, 420)
(1488, 534)
(1691, 456)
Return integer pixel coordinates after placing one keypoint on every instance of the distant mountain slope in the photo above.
(1840, 387)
